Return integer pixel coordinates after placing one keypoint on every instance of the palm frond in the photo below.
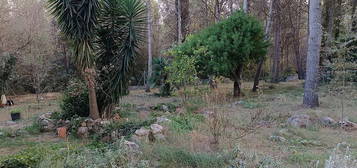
(77, 20)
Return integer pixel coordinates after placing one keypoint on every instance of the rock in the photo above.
(83, 132)
(162, 120)
(300, 121)
(116, 117)
(239, 102)
(131, 145)
(156, 128)
(2, 134)
(9, 123)
(348, 125)
(46, 123)
(104, 122)
(292, 78)
(327, 121)
(277, 138)
(142, 132)
(83, 124)
(165, 108)
(114, 135)
(160, 137)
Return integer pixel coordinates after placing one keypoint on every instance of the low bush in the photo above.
(185, 122)
(75, 101)
(341, 157)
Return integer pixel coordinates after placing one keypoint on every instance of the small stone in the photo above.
(2, 134)
(131, 145)
(162, 120)
(142, 132)
(156, 128)
(83, 124)
(104, 122)
(299, 120)
(277, 138)
(165, 108)
(8, 123)
(116, 117)
(114, 135)
(327, 121)
(83, 132)
(160, 137)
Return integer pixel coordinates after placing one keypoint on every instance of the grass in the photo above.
(189, 140)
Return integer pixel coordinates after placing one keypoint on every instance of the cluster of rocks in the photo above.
(155, 132)
(304, 121)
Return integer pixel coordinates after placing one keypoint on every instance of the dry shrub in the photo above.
(218, 118)
(341, 158)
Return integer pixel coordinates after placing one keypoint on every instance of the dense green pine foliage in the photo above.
(223, 47)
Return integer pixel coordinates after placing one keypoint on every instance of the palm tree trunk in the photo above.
(89, 74)
(314, 46)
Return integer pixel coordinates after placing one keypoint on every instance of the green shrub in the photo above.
(185, 122)
(178, 157)
(75, 101)
(224, 48)
(34, 128)
(25, 159)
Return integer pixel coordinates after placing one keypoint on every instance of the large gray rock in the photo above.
(131, 145)
(142, 132)
(292, 78)
(83, 132)
(299, 121)
(156, 128)
(46, 123)
(327, 121)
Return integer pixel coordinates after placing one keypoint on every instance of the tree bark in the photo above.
(237, 77)
(354, 17)
(185, 18)
(89, 74)
(149, 34)
(246, 6)
(314, 46)
(277, 46)
(179, 21)
(298, 58)
(261, 61)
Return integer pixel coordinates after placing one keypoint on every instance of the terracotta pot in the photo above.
(62, 132)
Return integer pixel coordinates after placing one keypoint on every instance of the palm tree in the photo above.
(77, 20)
(114, 29)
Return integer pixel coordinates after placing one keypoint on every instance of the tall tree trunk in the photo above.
(354, 17)
(338, 20)
(217, 11)
(277, 45)
(230, 5)
(330, 19)
(237, 77)
(246, 6)
(89, 74)
(298, 58)
(185, 18)
(179, 21)
(261, 61)
(314, 46)
(149, 45)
